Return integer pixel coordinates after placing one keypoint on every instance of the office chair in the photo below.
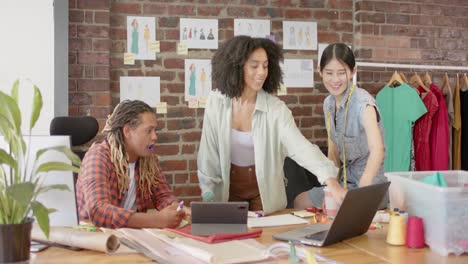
(81, 130)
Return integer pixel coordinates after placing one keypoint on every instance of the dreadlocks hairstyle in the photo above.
(228, 64)
(128, 113)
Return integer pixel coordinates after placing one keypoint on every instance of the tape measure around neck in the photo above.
(351, 90)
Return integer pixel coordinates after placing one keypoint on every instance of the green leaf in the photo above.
(37, 107)
(61, 187)
(6, 128)
(10, 111)
(5, 158)
(21, 192)
(42, 215)
(63, 149)
(56, 166)
(14, 91)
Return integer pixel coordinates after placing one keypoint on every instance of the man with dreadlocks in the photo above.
(120, 176)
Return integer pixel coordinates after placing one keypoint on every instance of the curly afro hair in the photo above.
(228, 64)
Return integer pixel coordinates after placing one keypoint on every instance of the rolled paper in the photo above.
(415, 232)
(71, 237)
(396, 230)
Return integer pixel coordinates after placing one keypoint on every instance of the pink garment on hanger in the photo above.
(439, 138)
(422, 131)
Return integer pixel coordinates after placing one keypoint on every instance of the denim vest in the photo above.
(357, 150)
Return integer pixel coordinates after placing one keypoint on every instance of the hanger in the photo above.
(445, 83)
(396, 79)
(403, 77)
(427, 79)
(464, 83)
(416, 79)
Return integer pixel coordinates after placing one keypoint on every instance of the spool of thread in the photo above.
(415, 232)
(396, 234)
(405, 215)
(331, 206)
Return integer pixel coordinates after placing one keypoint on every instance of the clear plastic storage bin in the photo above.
(444, 209)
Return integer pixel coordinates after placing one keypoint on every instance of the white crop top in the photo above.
(242, 148)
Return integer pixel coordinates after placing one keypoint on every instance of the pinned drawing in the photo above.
(259, 28)
(146, 89)
(298, 73)
(197, 78)
(140, 32)
(202, 33)
(300, 35)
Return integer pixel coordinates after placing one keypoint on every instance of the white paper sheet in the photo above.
(275, 220)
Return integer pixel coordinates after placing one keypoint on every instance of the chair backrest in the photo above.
(81, 129)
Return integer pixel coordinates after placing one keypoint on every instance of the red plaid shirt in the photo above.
(98, 194)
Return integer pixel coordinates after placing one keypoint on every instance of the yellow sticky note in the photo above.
(310, 258)
(303, 213)
(155, 46)
(283, 90)
(193, 102)
(129, 59)
(182, 48)
(202, 101)
(161, 108)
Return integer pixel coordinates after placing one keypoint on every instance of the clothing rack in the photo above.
(408, 66)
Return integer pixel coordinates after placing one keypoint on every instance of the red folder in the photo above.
(186, 231)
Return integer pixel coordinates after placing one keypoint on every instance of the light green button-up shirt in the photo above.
(275, 136)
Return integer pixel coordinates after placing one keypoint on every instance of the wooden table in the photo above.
(368, 248)
(373, 243)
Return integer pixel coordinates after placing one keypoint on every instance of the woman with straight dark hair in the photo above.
(248, 132)
(354, 127)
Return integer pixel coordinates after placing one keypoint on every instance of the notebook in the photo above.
(353, 218)
(210, 218)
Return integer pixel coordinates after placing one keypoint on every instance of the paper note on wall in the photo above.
(129, 59)
(161, 108)
(182, 48)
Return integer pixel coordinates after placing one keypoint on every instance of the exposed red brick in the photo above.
(93, 58)
(93, 4)
(191, 136)
(173, 165)
(101, 17)
(209, 10)
(102, 98)
(181, 10)
(93, 31)
(125, 8)
(93, 85)
(154, 9)
(163, 150)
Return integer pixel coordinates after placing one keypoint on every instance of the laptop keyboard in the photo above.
(317, 236)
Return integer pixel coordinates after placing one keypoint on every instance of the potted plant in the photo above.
(20, 182)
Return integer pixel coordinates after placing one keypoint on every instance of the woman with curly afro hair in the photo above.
(248, 132)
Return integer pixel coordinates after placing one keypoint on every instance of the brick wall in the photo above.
(419, 32)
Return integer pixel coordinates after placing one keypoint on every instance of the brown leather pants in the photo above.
(244, 187)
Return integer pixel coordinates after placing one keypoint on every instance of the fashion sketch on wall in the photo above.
(199, 33)
(259, 28)
(299, 35)
(197, 78)
(146, 89)
(298, 73)
(140, 31)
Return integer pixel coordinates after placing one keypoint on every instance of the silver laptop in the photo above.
(353, 218)
(210, 218)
